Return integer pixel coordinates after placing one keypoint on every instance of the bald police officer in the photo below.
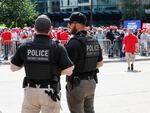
(85, 52)
(44, 61)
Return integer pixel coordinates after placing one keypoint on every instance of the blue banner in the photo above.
(132, 24)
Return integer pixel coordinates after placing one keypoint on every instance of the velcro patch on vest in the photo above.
(92, 50)
(38, 55)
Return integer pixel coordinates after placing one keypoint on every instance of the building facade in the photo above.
(73, 5)
(98, 12)
(86, 5)
(44, 6)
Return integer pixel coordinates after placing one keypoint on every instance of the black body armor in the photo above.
(88, 59)
(40, 63)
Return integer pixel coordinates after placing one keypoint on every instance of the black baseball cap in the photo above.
(77, 17)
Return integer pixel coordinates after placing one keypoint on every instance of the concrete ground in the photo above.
(118, 91)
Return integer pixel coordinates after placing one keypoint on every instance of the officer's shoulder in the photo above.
(57, 44)
(90, 36)
(27, 43)
(24, 44)
(74, 41)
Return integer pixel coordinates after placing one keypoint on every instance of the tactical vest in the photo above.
(87, 60)
(39, 61)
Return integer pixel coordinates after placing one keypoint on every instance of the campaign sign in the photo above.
(146, 26)
(132, 24)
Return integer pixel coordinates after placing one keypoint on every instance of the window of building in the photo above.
(83, 1)
(86, 8)
(69, 9)
(53, 3)
(57, 3)
(111, 8)
(62, 3)
(41, 7)
(76, 9)
(68, 2)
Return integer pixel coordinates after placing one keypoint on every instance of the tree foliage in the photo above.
(133, 9)
(15, 13)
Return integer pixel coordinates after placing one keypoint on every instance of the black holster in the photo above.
(95, 75)
(74, 80)
(56, 84)
(54, 93)
(56, 87)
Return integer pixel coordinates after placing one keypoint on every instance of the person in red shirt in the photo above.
(60, 29)
(130, 47)
(6, 41)
(52, 35)
(64, 37)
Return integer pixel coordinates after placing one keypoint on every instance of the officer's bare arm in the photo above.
(14, 67)
(67, 71)
(99, 64)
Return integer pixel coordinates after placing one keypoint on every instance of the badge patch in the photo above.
(38, 55)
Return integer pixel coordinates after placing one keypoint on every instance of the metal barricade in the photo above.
(1, 49)
(148, 43)
(141, 48)
(110, 49)
(105, 45)
(7, 49)
(116, 48)
(144, 47)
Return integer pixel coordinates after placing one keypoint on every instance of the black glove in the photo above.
(54, 95)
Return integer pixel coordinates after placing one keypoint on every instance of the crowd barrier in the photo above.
(8, 48)
(110, 49)
(145, 47)
(114, 49)
(105, 45)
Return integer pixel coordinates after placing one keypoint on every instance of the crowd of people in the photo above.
(109, 37)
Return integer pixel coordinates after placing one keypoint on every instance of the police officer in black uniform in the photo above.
(44, 61)
(85, 52)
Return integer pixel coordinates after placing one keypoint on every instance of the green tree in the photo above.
(133, 9)
(15, 13)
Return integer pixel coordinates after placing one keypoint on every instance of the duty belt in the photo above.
(86, 77)
(33, 85)
(79, 77)
(50, 91)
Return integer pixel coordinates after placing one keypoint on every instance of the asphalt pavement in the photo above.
(118, 91)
